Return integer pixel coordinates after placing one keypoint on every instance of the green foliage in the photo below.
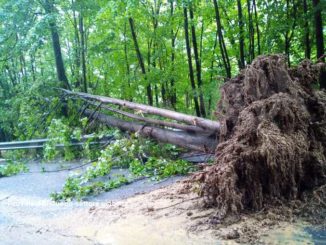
(12, 168)
(27, 66)
(158, 168)
(59, 133)
(73, 189)
(129, 153)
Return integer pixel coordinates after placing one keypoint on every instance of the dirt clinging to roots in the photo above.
(273, 137)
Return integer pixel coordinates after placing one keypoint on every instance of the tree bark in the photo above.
(191, 70)
(198, 143)
(306, 34)
(127, 61)
(77, 59)
(155, 122)
(83, 51)
(318, 28)
(140, 60)
(173, 94)
(180, 117)
(251, 33)
(257, 26)
(225, 57)
(290, 31)
(61, 72)
(241, 38)
(197, 62)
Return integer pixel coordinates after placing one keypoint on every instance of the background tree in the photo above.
(141, 50)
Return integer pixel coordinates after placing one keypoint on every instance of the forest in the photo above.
(173, 54)
(146, 85)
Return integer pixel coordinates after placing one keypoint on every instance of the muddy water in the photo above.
(300, 234)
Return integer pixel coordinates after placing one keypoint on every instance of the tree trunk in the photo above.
(140, 60)
(197, 143)
(241, 38)
(127, 61)
(180, 117)
(251, 33)
(197, 62)
(155, 122)
(223, 49)
(83, 51)
(191, 70)
(77, 59)
(257, 26)
(61, 72)
(318, 28)
(290, 31)
(306, 34)
(173, 94)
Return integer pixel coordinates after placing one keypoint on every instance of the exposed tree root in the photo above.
(272, 137)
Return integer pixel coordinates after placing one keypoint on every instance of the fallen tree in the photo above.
(187, 131)
(272, 137)
(180, 138)
(141, 108)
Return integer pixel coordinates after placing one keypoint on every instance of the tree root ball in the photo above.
(272, 138)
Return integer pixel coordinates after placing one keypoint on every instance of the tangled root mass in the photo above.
(273, 136)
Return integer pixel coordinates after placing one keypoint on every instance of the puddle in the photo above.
(298, 234)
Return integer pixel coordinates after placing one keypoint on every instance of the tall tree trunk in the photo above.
(257, 26)
(61, 72)
(306, 34)
(241, 38)
(173, 94)
(290, 31)
(83, 50)
(33, 69)
(155, 12)
(197, 62)
(251, 33)
(140, 60)
(191, 70)
(127, 61)
(287, 33)
(77, 59)
(318, 28)
(223, 49)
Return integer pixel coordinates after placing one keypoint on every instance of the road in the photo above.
(28, 216)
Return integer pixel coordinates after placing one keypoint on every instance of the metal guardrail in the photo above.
(39, 143)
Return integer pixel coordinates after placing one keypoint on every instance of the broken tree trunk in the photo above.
(180, 138)
(203, 123)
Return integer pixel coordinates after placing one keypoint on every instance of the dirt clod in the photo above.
(231, 234)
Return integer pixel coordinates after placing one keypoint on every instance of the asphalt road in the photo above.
(26, 209)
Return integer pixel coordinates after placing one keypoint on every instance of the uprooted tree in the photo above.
(271, 130)
(272, 137)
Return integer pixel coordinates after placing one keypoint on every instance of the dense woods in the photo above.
(167, 53)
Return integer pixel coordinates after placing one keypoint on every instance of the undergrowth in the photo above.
(59, 133)
(144, 158)
(12, 168)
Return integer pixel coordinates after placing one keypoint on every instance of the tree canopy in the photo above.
(166, 53)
